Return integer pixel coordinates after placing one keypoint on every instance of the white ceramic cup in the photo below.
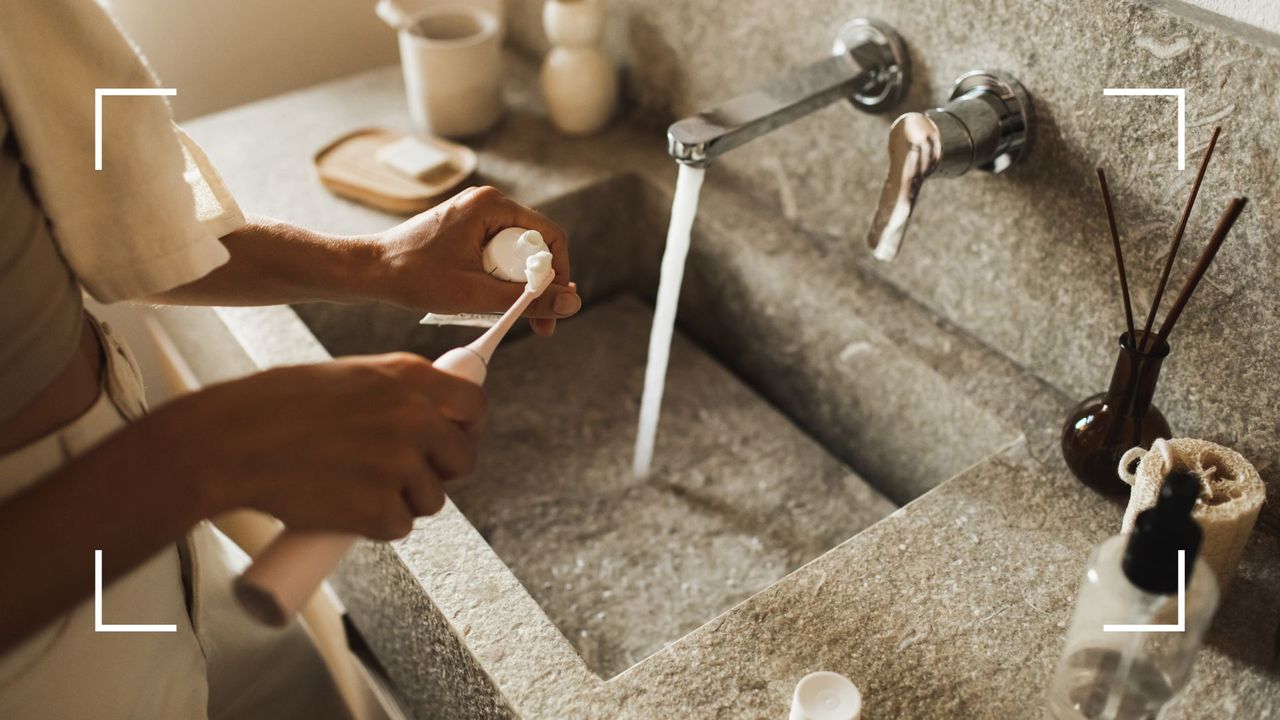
(452, 59)
(398, 12)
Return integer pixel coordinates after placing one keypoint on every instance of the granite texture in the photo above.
(1021, 260)
(974, 632)
(737, 499)
(953, 606)
(434, 656)
(841, 352)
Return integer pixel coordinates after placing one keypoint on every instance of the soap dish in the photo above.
(348, 167)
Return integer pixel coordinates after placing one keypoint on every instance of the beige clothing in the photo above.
(218, 664)
(148, 221)
(133, 228)
(40, 316)
(69, 671)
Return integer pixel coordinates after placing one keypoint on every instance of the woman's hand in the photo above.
(433, 262)
(359, 444)
(430, 263)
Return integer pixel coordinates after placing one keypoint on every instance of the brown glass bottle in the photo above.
(1103, 427)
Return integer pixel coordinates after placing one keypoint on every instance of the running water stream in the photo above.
(683, 209)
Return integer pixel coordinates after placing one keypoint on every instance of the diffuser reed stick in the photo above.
(1103, 427)
(1177, 240)
(1228, 219)
(1115, 243)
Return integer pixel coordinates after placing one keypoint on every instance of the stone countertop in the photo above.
(952, 607)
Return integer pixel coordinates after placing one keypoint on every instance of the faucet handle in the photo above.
(915, 149)
(984, 125)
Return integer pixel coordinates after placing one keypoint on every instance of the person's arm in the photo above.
(274, 262)
(431, 262)
(357, 445)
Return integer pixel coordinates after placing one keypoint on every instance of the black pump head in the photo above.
(1151, 557)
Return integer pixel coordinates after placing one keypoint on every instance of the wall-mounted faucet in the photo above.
(869, 67)
(985, 125)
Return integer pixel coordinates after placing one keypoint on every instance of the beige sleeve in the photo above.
(150, 219)
(215, 207)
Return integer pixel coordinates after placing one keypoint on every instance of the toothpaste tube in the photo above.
(504, 258)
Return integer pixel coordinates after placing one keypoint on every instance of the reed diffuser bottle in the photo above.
(1105, 426)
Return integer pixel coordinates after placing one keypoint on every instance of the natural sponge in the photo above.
(1231, 494)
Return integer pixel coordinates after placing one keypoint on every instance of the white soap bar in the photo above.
(411, 157)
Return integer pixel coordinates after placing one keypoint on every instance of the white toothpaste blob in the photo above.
(538, 272)
(505, 254)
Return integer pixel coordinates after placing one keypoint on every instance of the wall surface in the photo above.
(220, 53)
(1021, 260)
(1259, 19)
(1261, 13)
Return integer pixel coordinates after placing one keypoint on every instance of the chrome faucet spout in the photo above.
(869, 67)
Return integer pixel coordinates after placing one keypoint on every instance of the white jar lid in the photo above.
(826, 696)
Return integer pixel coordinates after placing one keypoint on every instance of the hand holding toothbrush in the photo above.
(287, 572)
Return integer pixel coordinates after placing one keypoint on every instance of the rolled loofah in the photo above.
(1231, 494)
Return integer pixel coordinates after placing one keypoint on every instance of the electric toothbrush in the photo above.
(287, 572)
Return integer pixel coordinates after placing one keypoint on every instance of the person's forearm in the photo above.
(124, 498)
(274, 262)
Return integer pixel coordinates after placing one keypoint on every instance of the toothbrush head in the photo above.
(538, 272)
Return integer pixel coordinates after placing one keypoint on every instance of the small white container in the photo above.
(452, 60)
(573, 23)
(826, 696)
(397, 13)
(579, 80)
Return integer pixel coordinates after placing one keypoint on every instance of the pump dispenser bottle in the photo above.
(1132, 580)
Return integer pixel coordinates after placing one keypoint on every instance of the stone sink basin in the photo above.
(553, 574)
(742, 493)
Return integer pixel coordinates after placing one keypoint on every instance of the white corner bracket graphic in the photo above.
(1181, 94)
(98, 625)
(98, 94)
(1182, 606)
